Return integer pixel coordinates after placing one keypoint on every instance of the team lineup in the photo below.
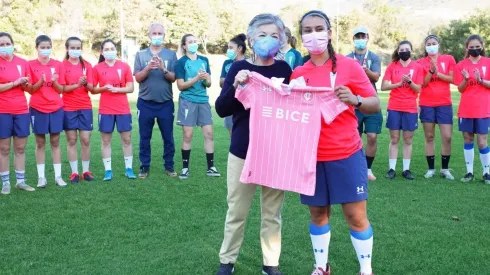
(317, 106)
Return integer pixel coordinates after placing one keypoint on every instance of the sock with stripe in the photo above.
(363, 244)
(320, 239)
(485, 159)
(469, 155)
(20, 176)
(5, 177)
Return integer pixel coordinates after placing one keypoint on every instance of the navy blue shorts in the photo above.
(474, 125)
(340, 181)
(78, 120)
(46, 123)
(107, 122)
(14, 125)
(438, 115)
(396, 120)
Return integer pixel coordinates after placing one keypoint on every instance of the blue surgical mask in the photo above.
(157, 40)
(433, 49)
(45, 52)
(266, 47)
(192, 48)
(231, 54)
(75, 53)
(110, 55)
(8, 50)
(360, 44)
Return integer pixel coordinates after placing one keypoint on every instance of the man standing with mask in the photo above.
(369, 124)
(153, 70)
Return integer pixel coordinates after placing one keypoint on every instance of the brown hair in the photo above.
(67, 44)
(182, 42)
(395, 56)
(291, 39)
(474, 37)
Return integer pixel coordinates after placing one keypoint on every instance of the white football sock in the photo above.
(393, 164)
(57, 170)
(74, 167)
(85, 165)
(406, 164)
(320, 239)
(363, 244)
(129, 162)
(107, 164)
(40, 171)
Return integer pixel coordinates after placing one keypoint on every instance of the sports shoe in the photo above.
(271, 270)
(130, 173)
(213, 172)
(60, 182)
(486, 178)
(24, 186)
(365, 273)
(445, 173)
(225, 269)
(5, 188)
(391, 174)
(430, 173)
(320, 271)
(41, 183)
(74, 178)
(108, 175)
(144, 172)
(408, 175)
(468, 177)
(171, 173)
(184, 174)
(88, 176)
(371, 177)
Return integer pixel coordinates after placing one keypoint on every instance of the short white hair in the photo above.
(266, 19)
(153, 25)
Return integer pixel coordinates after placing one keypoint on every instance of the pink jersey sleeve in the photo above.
(359, 82)
(245, 95)
(330, 106)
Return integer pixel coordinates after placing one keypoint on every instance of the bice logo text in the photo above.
(285, 114)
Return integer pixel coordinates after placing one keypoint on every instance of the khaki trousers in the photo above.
(240, 197)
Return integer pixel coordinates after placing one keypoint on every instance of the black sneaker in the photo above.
(391, 174)
(271, 270)
(486, 178)
(225, 269)
(184, 174)
(468, 177)
(144, 172)
(408, 175)
(213, 172)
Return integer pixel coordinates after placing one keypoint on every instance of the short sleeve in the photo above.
(138, 67)
(451, 63)
(223, 69)
(458, 76)
(376, 64)
(172, 61)
(179, 69)
(61, 74)
(388, 72)
(89, 72)
(208, 69)
(95, 76)
(359, 82)
(299, 59)
(244, 94)
(128, 76)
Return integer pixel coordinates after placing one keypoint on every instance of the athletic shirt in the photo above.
(404, 99)
(284, 132)
(227, 104)
(46, 99)
(292, 57)
(370, 59)
(118, 76)
(13, 101)
(340, 139)
(437, 92)
(187, 69)
(79, 98)
(475, 99)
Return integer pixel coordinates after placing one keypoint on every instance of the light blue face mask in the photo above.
(192, 48)
(360, 44)
(8, 50)
(266, 47)
(75, 53)
(110, 55)
(157, 40)
(433, 49)
(45, 52)
(231, 54)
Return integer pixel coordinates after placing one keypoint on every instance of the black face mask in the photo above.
(475, 52)
(404, 55)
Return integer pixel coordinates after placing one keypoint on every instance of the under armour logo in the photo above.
(368, 256)
(266, 89)
(360, 189)
(319, 250)
(186, 160)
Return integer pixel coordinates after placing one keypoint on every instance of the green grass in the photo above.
(167, 226)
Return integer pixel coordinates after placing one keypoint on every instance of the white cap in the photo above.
(361, 29)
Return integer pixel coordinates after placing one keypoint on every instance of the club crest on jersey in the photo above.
(307, 97)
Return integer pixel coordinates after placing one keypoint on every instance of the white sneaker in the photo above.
(24, 186)
(445, 173)
(41, 183)
(5, 189)
(60, 182)
(429, 174)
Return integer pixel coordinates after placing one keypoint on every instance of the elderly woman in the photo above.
(265, 36)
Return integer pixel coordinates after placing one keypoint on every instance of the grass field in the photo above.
(167, 226)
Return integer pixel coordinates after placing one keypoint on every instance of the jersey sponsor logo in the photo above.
(285, 114)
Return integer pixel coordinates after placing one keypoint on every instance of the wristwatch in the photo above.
(359, 101)
(165, 71)
(409, 82)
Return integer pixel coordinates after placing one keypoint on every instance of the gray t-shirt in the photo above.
(373, 62)
(155, 87)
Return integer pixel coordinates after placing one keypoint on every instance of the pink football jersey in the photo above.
(285, 127)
